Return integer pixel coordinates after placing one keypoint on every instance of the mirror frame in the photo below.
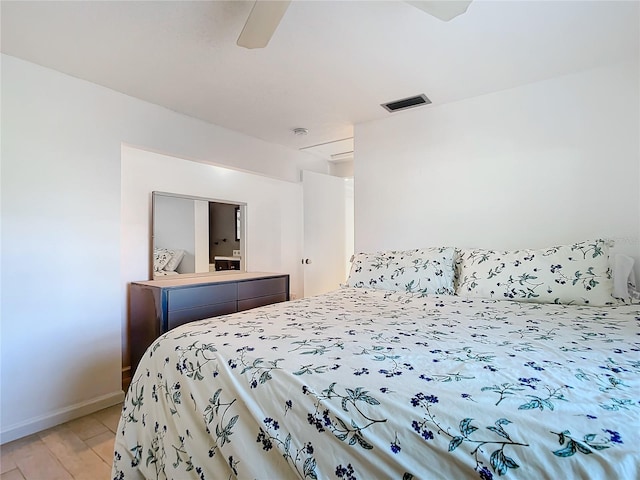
(240, 227)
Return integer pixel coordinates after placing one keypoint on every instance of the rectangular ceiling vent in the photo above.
(405, 103)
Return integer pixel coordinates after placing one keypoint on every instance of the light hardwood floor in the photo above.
(80, 449)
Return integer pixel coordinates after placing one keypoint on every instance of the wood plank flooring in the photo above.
(78, 450)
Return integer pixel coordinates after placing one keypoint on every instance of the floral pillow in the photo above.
(576, 274)
(161, 257)
(422, 271)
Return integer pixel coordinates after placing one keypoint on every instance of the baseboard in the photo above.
(126, 378)
(37, 424)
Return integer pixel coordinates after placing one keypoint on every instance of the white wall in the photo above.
(62, 295)
(551, 162)
(341, 169)
(201, 237)
(273, 236)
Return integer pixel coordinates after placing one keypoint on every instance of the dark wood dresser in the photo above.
(157, 306)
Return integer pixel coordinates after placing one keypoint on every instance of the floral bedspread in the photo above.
(368, 384)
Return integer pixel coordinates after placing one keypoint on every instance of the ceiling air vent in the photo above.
(407, 103)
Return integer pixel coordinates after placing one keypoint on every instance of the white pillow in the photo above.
(422, 271)
(568, 274)
(623, 276)
(176, 258)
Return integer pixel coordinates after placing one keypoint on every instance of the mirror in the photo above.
(195, 235)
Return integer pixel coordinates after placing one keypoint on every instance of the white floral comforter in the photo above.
(367, 384)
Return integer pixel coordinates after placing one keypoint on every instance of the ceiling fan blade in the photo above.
(443, 9)
(261, 23)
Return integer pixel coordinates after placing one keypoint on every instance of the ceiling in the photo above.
(329, 64)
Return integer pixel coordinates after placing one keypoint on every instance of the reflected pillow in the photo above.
(576, 274)
(421, 271)
(176, 258)
(161, 257)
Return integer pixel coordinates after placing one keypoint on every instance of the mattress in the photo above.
(370, 384)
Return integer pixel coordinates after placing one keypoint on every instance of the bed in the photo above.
(408, 382)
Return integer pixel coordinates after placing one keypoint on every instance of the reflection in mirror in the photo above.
(194, 235)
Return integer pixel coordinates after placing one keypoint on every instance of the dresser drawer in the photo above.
(158, 306)
(261, 301)
(261, 288)
(178, 317)
(179, 299)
